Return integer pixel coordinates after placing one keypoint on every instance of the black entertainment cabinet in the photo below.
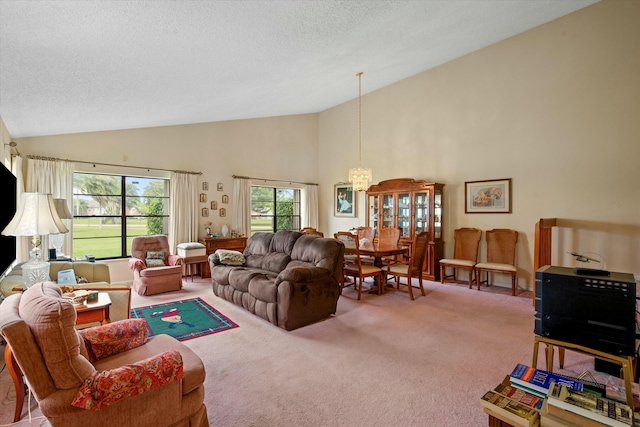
(598, 312)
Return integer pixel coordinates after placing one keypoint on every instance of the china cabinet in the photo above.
(412, 206)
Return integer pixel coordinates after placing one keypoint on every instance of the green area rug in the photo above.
(183, 320)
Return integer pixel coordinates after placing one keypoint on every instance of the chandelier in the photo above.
(360, 176)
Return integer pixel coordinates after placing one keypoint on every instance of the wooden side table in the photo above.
(190, 262)
(97, 311)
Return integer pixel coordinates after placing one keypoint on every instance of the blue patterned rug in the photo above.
(183, 320)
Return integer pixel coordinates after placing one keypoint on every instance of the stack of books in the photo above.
(529, 397)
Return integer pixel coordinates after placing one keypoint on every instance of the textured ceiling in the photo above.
(78, 66)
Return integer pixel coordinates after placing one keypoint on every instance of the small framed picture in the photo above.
(345, 204)
(205, 186)
(214, 205)
(225, 199)
(203, 198)
(219, 186)
(205, 212)
(223, 212)
(492, 196)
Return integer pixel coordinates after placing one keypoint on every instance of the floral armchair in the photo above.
(155, 270)
(102, 376)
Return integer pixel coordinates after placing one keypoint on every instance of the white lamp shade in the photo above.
(36, 215)
(62, 208)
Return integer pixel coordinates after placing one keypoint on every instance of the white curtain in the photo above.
(22, 243)
(241, 206)
(183, 209)
(310, 206)
(53, 177)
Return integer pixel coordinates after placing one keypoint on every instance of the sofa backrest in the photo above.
(140, 245)
(313, 251)
(92, 271)
(269, 251)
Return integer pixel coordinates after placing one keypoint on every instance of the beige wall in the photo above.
(556, 109)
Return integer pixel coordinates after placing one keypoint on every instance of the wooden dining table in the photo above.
(378, 251)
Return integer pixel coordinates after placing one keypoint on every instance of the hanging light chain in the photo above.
(360, 118)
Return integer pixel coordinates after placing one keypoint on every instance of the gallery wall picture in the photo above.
(205, 186)
(223, 212)
(220, 186)
(214, 205)
(225, 199)
(344, 200)
(205, 212)
(203, 198)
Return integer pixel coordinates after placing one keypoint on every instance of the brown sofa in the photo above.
(287, 278)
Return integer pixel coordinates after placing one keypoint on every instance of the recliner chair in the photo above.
(148, 280)
(104, 376)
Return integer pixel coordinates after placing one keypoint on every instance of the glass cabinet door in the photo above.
(388, 210)
(421, 212)
(373, 211)
(404, 214)
(437, 215)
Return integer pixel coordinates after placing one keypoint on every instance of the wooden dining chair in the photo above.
(354, 268)
(366, 235)
(312, 232)
(389, 236)
(414, 268)
(465, 253)
(501, 256)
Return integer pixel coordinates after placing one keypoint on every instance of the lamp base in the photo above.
(35, 270)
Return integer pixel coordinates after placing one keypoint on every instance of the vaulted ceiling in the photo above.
(79, 66)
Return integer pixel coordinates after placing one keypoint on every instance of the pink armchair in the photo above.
(102, 376)
(148, 279)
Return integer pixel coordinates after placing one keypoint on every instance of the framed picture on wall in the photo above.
(203, 197)
(223, 212)
(344, 200)
(492, 196)
(205, 186)
(214, 205)
(219, 186)
(225, 199)
(205, 212)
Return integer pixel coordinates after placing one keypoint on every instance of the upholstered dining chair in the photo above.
(366, 234)
(102, 376)
(353, 267)
(414, 268)
(501, 256)
(465, 253)
(155, 270)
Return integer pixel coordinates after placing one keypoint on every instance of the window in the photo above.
(110, 210)
(274, 209)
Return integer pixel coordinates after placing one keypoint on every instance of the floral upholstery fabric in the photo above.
(101, 389)
(228, 257)
(106, 340)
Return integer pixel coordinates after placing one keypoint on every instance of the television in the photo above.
(9, 204)
(597, 312)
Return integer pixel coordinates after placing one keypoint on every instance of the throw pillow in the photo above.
(155, 255)
(228, 257)
(155, 262)
(101, 389)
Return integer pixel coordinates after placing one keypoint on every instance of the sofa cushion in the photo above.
(257, 248)
(239, 278)
(52, 323)
(263, 287)
(317, 251)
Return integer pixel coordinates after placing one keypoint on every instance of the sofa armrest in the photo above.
(113, 338)
(302, 274)
(101, 389)
(136, 264)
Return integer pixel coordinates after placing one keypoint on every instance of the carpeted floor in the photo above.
(382, 361)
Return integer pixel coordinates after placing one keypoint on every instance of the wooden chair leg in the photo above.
(359, 288)
(409, 287)
(441, 273)
(471, 279)
(513, 285)
(421, 287)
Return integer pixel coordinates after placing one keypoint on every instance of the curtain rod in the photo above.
(274, 180)
(110, 164)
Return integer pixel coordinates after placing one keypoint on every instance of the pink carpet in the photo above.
(382, 361)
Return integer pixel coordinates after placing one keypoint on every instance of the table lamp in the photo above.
(57, 240)
(36, 216)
